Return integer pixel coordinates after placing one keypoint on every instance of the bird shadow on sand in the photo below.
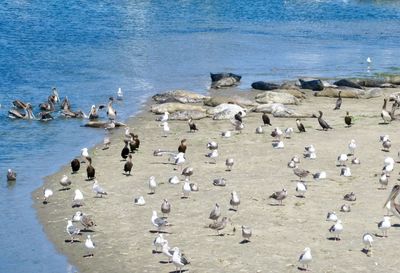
(333, 239)
(161, 232)
(396, 225)
(127, 174)
(217, 235)
(383, 123)
(300, 196)
(72, 241)
(244, 242)
(64, 189)
(365, 251)
(156, 252)
(276, 205)
(177, 271)
(150, 193)
(379, 235)
(87, 230)
(301, 268)
(232, 209)
(88, 256)
(89, 179)
(164, 262)
(122, 160)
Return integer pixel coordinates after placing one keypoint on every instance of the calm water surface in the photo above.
(90, 48)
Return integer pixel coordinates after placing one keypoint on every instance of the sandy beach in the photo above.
(123, 234)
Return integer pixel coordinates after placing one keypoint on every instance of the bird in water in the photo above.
(348, 119)
(338, 101)
(11, 175)
(265, 119)
(385, 115)
(325, 126)
(128, 166)
(120, 94)
(192, 126)
(300, 126)
(111, 113)
(90, 170)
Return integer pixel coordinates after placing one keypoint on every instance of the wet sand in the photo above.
(280, 233)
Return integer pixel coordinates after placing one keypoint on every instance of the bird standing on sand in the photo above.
(152, 184)
(165, 207)
(166, 128)
(106, 142)
(75, 165)
(128, 166)
(279, 196)
(98, 189)
(300, 126)
(301, 173)
(215, 213)
(125, 150)
(246, 233)
(235, 201)
(350, 197)
(186, 189)
(338, 101)
(301, 189)
(158, 241)
(72, 230)
(192, 126)
(288, 132)
(385, 115)
(336, 229)
(219, 225)
(90, 170)
(213, 155)
(342, 158)
(183, 146)
(139, 201)
(179, 160)
(65, 181)
(325, 126)
(305, 258)
(384, 225)
(179, 260)
(78, 199)
(159, 223)
(367, 241)
(86, 221)
(164, 117)
(47, 193)
(346, 172)
(348, 119)
(331, 216)
(90, 246)
(352, 146)
(383, 180)
(229, 164)
(187, 173)
(266, 119)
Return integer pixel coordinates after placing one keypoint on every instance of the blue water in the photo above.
(87, 49)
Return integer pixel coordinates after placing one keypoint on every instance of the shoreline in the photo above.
(123, 250)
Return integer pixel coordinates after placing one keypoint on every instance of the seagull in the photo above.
(187, 173)
(106, 142)
(179, 260)
(139, 201)
(98, 189)
(173, 180)
(336, 229)
(301, 173)
(235, 201)
(229, 164)
(212, 145)
(186, 189)
(345, 208)
(295, 159)
(388, 169)
(166, 128)
(179, 159)
(158, 241)
(165, 207)
(86, 221)
(167, 251)
(221, 182)
(77, 216)
(11, 175)
(278, 145)
(164, 118)
(72, 230)
(90, 246)
(291, 164)
(383, 180)
(352, 147)
(84, 153)
(158, 222)
(386, 145)
(152, 184)
(367, 241)
(300, 126)
(120, 95)
(279, 196)
(215, 213)
(350, 197)
(219, 225)
(319, 175)
(310, 152)
(346, 172)
(342, 159)
(277, 134)
(65, 182)
(226, 134)
(259, 130)
(111, 113)
(301, 189)
(331, 216)
(305, 258)
(246, 233)
(47, 193)
(213, 155)
(78, 199)
(369, 61)
(384, 225)
(356, 161)
(194, 187)
(288, 132)
(388, 161)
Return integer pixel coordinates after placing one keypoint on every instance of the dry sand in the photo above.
(280, 233)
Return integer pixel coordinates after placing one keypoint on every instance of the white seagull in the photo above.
(157, 221)
(186, 189)
(331, 216)
(152, 184)
(384, 225)
(305, 258)
(342, 159)
(120, 94)
(367, 241)
(229, 164)
(288, 132)
(90, 246)
(158, 242)
(352, 147)
(346, 172)
(139, 201)
(336, 229)
(98, 189)
(179, 260)
(47, 193)
(166, 128)
(72, 230)
(301, 189)
(78, 199)
(65, 182)
(235, 201)
(164, 118)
